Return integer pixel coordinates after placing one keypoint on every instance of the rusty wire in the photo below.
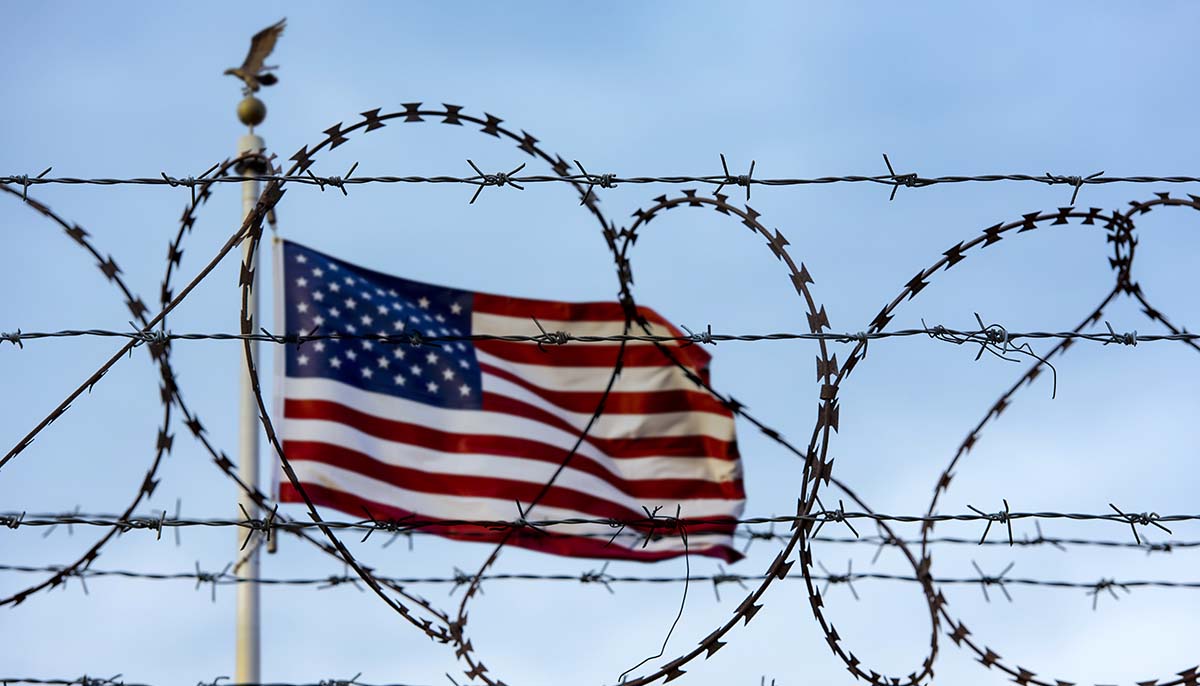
(170, 391)
(164, 440)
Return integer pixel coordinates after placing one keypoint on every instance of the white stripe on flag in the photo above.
(595, 379)
(477, 508)
(631, 426)
(503, 325)
(449, 420)
(502, 466)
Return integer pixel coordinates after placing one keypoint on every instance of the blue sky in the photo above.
(658, 88)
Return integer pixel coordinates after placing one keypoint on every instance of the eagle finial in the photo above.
(253, 72)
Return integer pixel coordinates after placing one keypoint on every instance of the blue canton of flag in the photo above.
(326, 295)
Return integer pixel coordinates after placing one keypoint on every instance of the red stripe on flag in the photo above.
(584, 354)
(680, 446)
(402, 432)
(647, 489)
(618, 402)
(559, 544)
(527, 308)
(511, 306)
(507, 489)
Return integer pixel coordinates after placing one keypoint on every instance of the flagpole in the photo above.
(251, 112)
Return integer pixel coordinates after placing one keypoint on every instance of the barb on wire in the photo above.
(769, 535)
(25, 182)
(203, 577)
(1076, 181)
(333, 580)
(1107, 585)
(704, 337)
(189, 181)
(995, 339)
(1130, 338)
(593, 180)
(838, 515)
(522, 522)
(1002, 517)
(847, 578)
(883, 542)
(1041, 539)
(898, 180)
(67, 573)
(70, 527)
(724, 577)
(396, 535)
(461, 579)
(743, 180)
(501, 179)
(599, 576)
(338, 182)
(549, 338)
(14, 337)
(997, 580)
(253, 524)
(396, 526)
(1145, 519)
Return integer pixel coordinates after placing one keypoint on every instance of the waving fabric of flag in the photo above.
(468, 430)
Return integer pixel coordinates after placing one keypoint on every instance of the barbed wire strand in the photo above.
(16, 520)
(598, 577)
(993, 335)
(593, 181)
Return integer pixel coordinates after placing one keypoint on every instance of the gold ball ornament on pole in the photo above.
(251, 111)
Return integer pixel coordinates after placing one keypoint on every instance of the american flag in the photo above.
(469, 430)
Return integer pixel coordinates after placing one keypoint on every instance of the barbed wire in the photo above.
(108, 267)
(1022, 541)
(993, 335)
(170, 391)
(817, 464)
(597, 577)
(16, 520)
(481, 179)
(744, 533)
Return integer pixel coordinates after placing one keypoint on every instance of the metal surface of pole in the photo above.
(250, 111)
(248, 636)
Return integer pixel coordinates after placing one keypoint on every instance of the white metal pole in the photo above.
(248, 638)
